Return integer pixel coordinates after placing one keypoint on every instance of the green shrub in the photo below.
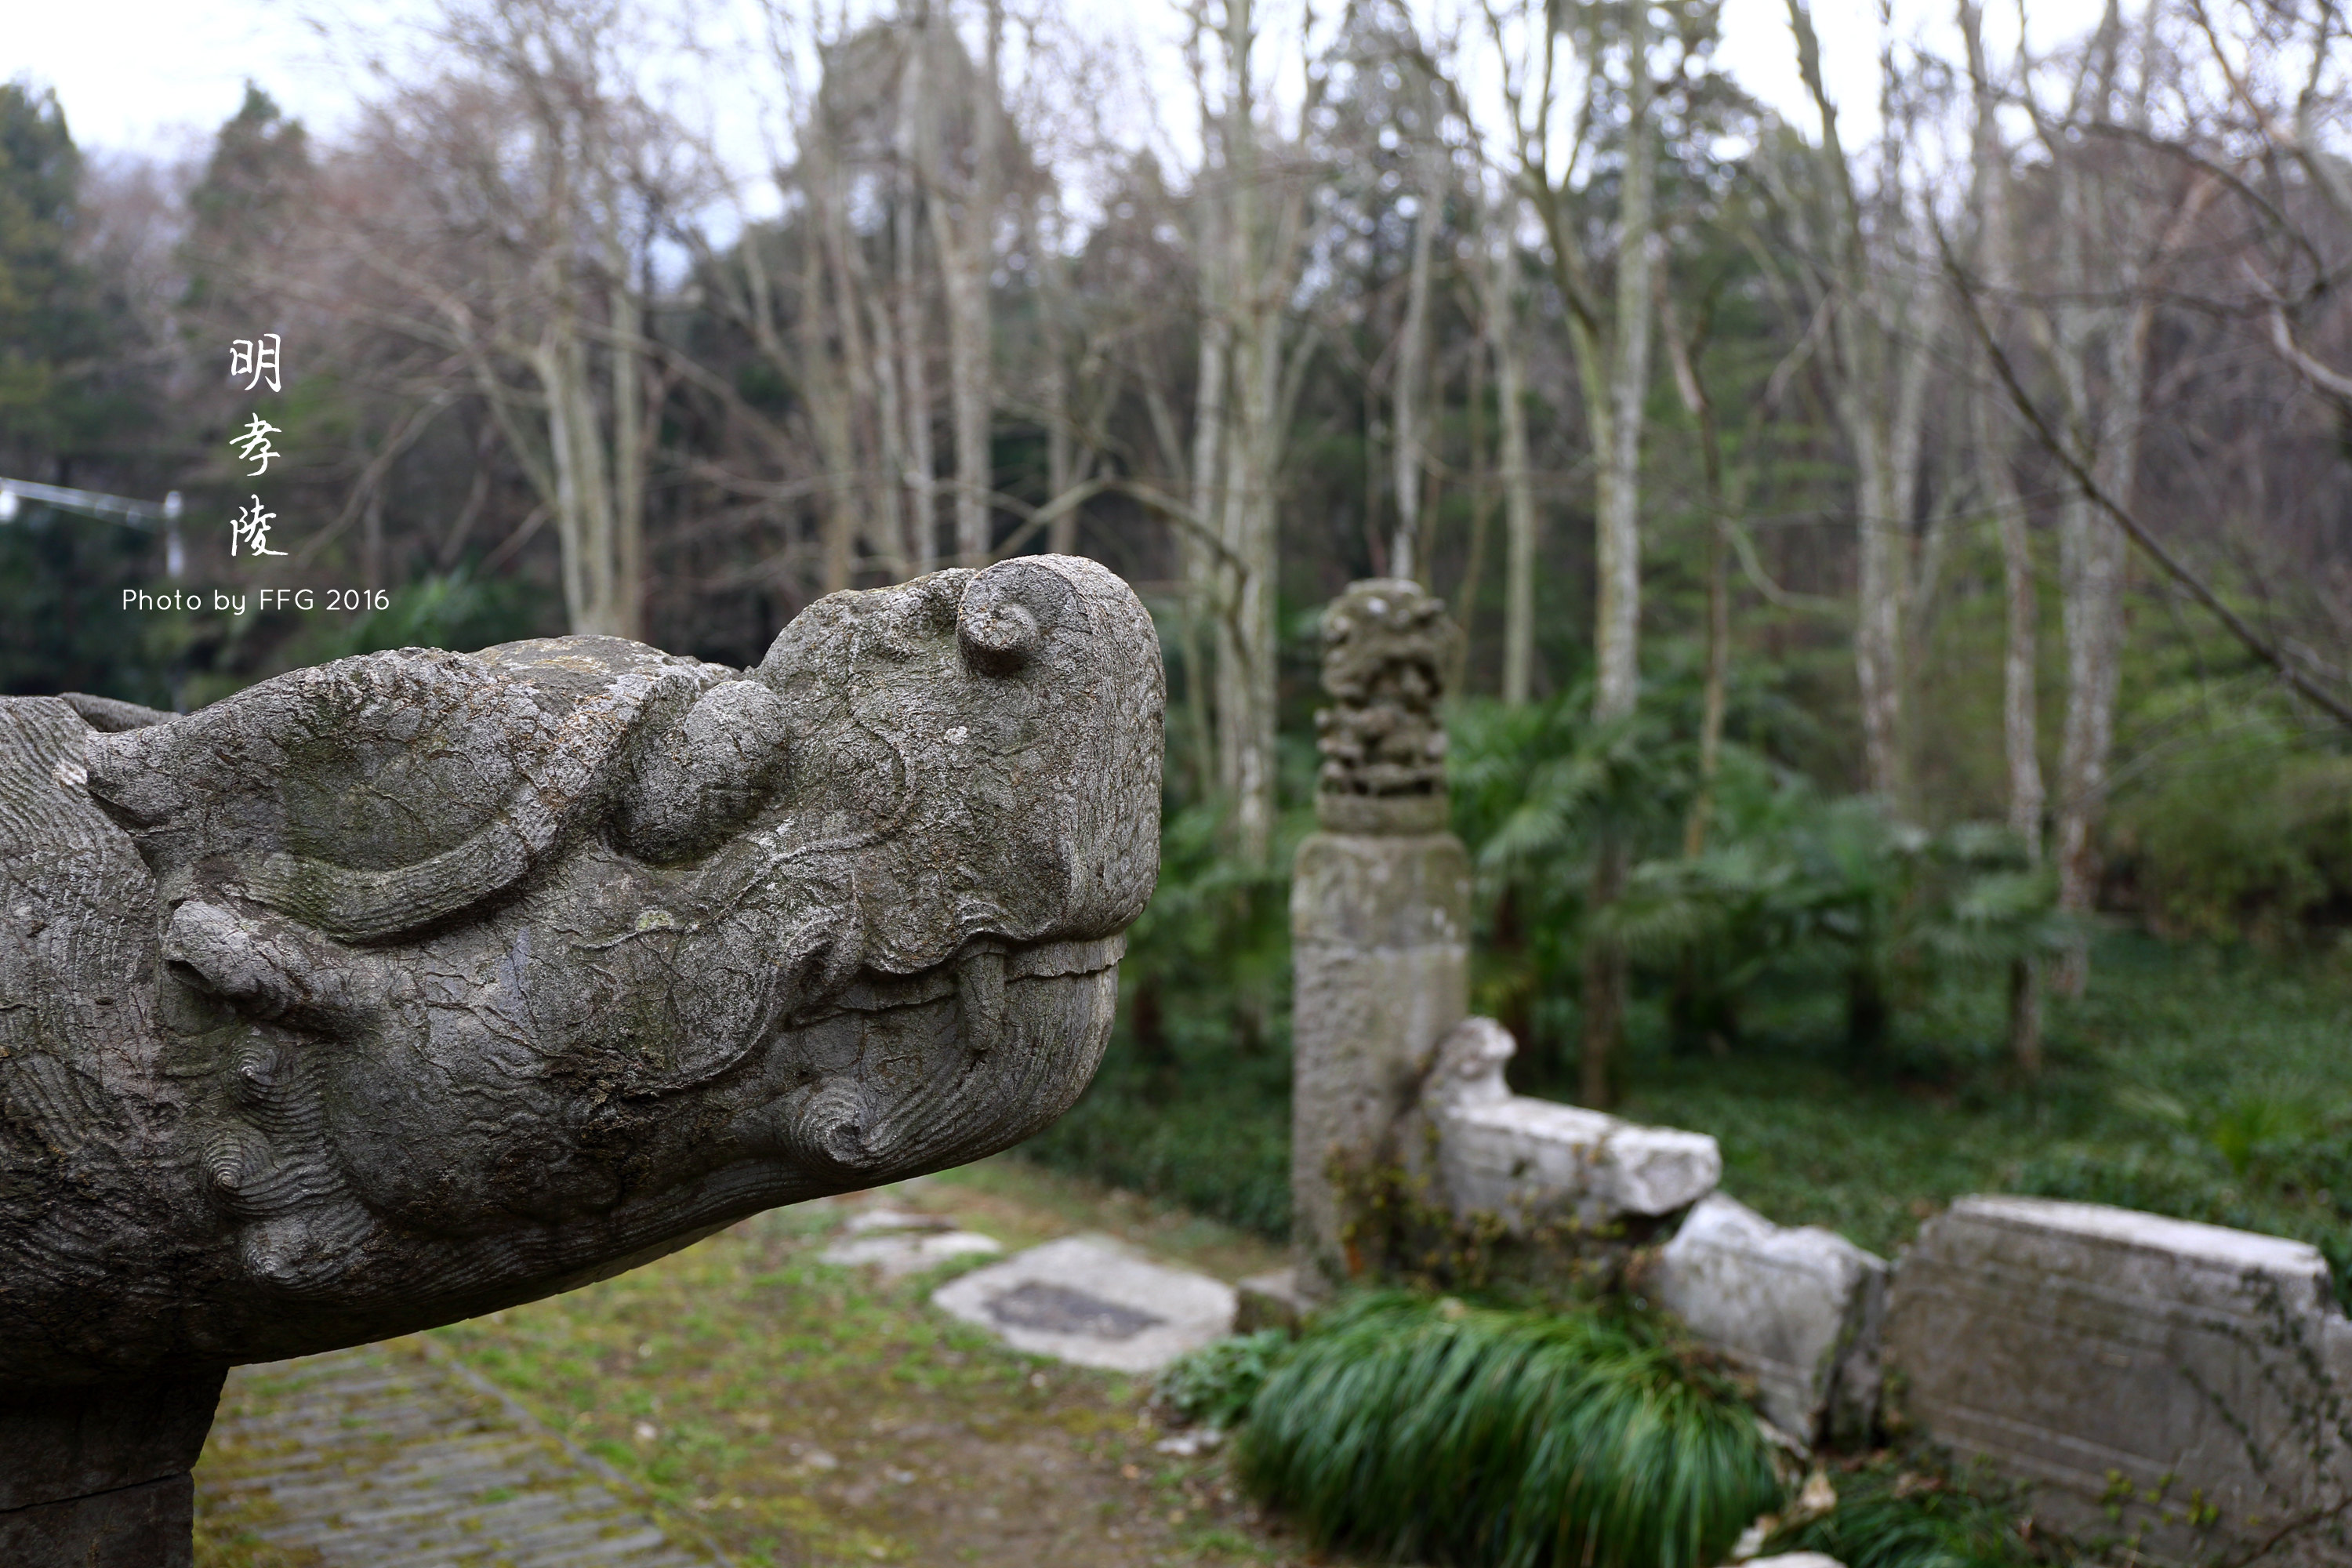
(1215, 1384)
(1428, 1429)
(2245, 830)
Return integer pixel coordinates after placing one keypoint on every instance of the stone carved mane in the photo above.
(393, 991)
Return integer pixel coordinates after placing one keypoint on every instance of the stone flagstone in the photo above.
(1092, 1301)
(374, 1459)
(896, 1243)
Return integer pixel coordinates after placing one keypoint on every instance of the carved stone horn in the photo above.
(1009, 613)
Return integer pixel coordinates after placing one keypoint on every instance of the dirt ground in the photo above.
(792, 1413)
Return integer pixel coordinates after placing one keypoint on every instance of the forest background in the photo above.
(1901, 716)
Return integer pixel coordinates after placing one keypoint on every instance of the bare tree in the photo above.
(536, 160)
(1608, 321)
(1882, 314)
(1992, 439)
(1253, 358)
(1500, 280)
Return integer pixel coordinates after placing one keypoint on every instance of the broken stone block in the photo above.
(1800, 1308)
(1277, 1299)
(2157, 1376)
(1092, 1301)
(1527, 1161)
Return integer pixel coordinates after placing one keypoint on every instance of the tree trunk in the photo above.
(1518, 486)
(1405, 554)
(1053, 288)
(1604, 990)
(1880, 337)
(1617, 617)
(813, 366)
(1997, 483)
(912, 154)
(965, 240)
(1617, 614)
(2096, 225)
(1715, 688)
(630, 437)
(1260, 261)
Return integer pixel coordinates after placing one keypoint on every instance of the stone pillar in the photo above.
(1380, 907)
(98, 1478)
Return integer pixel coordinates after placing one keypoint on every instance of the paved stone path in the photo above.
(380, 1458)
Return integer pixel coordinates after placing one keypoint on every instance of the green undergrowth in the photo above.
(1215, 1386)
(1425, 1429)
(1899, 1514)
(1218, 1142)
(2194, 1080)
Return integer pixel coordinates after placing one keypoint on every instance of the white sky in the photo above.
(158, 75)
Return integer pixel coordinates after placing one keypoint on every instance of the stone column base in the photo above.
(99, 1476)
(145, 1526)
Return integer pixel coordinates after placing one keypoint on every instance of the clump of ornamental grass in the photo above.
(1425, 1429)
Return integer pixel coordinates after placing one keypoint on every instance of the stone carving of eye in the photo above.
(1009, 614)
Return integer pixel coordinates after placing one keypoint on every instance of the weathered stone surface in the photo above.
(419, 984)
(2083, 1346)
(1271, 1300)
(145, 1526)
(1091, 1301)
(1385, 646)
(65, 1442)
(1379, 906)
(1380, 957)
(1527, 1161)
(1802, 1308)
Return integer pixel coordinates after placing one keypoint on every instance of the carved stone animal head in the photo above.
(442, 980)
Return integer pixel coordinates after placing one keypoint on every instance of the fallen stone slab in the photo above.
(1802, 1308)
(1092, 1301)
(896, 1243)
(896, 1255)
(1529, 1161)
(2158, 1377)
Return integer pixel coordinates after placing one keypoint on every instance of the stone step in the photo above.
(375, 1457)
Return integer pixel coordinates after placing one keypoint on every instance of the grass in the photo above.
(2192, 1079)
(1420, 1429)
(803, 1413)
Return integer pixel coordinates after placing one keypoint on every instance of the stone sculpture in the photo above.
(1386, 644)
(400, 989)
(1380, 907)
